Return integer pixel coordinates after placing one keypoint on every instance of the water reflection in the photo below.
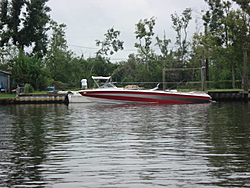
(89, 145)
(24, 140)
(229, 138)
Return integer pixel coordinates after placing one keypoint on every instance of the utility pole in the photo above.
(206, 59)
(163, 79)
(203, 73)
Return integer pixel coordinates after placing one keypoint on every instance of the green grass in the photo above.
(225, 90)
(13, 95)
(39, 92)
(7, 95)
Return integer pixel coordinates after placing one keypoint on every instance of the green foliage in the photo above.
(58, 58)
(28, 88)
(59, 85)
(31, 70)
(244, 4)
(224, 40)
(23, 24)
(180, 25)
(222, 84)
(163, 45)
(144, 32)
(110, 44)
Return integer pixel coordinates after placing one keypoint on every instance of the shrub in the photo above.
(28, 88)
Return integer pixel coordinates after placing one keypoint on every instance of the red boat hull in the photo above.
(147, 96)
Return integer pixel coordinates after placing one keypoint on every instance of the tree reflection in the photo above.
(229, 136)
(29, 142)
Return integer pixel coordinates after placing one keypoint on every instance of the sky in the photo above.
(88, 21)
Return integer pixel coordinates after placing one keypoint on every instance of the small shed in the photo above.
(4, 81)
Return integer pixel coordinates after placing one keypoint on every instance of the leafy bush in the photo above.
(25, 69)
(59, 85)
(225, 84)
(28, 88)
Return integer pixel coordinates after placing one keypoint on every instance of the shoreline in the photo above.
(63, 98)
(36, 99)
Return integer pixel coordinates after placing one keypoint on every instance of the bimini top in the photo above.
(101, 77)
(106, 80)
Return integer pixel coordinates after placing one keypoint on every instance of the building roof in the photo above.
(5, 72)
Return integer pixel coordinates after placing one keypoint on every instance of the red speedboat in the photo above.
(109, 93)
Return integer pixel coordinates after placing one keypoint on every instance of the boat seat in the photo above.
(134, 87)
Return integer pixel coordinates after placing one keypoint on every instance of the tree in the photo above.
(10, 21)
(229, 32)
(23, 24)
(110, 44)
(30, 70)
(244, 4)
(58, 57)
(163, 45)
(35, 25)
(144, 32)
(126, 70)
(216, 29)
(180, 25)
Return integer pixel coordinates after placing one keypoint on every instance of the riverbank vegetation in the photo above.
(35, 57)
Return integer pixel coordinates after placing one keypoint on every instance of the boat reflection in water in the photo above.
(109, 93)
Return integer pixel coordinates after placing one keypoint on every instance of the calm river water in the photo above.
(90, 145)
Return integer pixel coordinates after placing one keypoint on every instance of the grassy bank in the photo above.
(7, 95)
(13, 95)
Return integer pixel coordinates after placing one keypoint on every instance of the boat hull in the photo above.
(75, 97)
(145, 96)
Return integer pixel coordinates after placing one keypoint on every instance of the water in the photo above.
(89, 145)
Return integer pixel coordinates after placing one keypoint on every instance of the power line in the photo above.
(123, 50)
(83, 47)
(96, 48)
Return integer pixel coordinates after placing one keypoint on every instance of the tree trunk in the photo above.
(207, 69)
(245, 77)
(233, 76)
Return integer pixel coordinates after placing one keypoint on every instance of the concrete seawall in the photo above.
(36, 99)
(229, 95)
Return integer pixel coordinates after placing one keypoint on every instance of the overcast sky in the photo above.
(89, 20)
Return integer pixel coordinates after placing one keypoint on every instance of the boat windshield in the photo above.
(108, 85)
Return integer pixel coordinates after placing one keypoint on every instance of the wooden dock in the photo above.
(229, 95)
(36, 99)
